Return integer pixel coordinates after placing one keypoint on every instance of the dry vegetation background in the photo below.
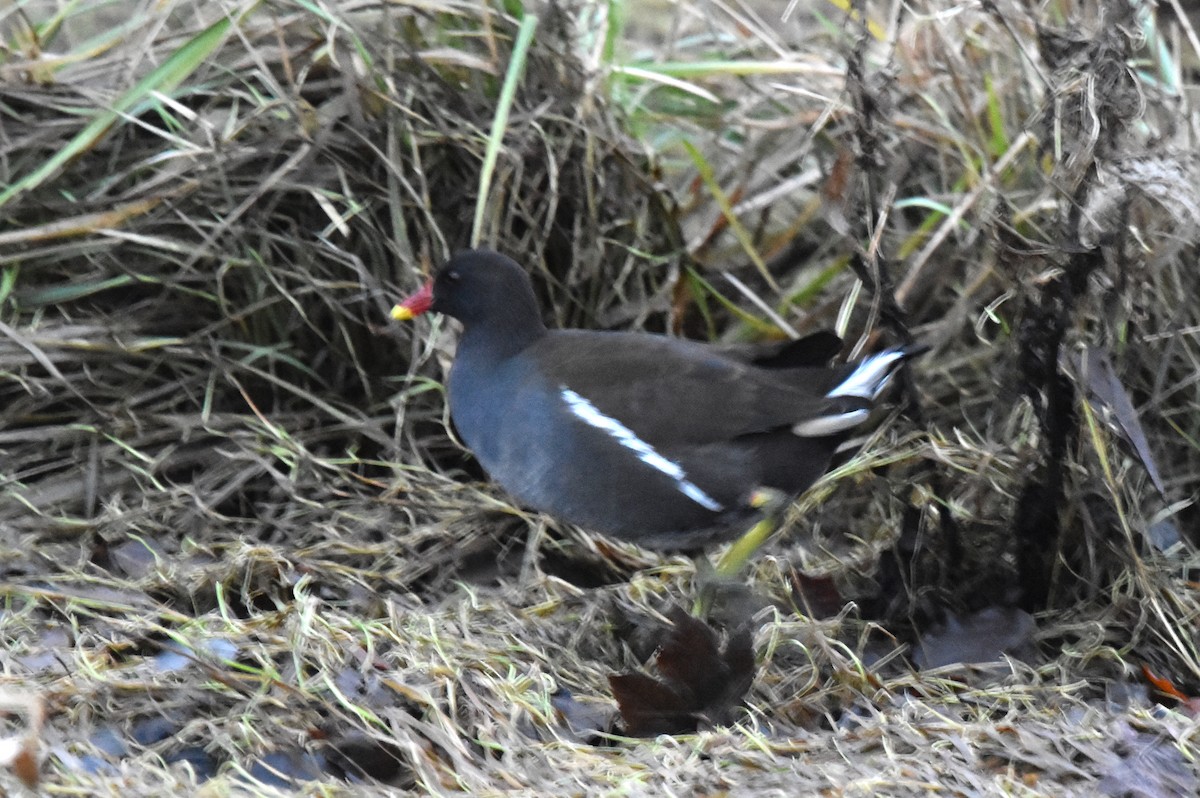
(239, 545)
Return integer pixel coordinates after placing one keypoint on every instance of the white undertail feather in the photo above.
(591, 415)
(821, 426)
(867, 382)
(870, 378)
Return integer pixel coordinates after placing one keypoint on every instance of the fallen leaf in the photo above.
(818, 595)
(984, 636)
(1094, 371)
(20, 753)
(1143, 765)
(356, 756)
(585, 722)
(700, 683)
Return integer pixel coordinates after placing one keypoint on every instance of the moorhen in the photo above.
(669, 443)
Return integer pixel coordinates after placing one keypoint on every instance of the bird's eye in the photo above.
(453, 276)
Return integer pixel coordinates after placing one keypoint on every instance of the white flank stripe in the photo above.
(830, 425)
(592, 416)
(870, 378)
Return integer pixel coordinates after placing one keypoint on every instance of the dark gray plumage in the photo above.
(665, 442)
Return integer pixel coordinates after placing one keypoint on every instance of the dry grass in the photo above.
(230, 503)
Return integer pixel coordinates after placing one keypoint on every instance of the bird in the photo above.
(672, 444)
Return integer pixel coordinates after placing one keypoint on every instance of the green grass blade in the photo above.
(747, 318)
(164, 79)
(701, 69)
(999, 138)
(739, 230)
(61, 294)
(516, 66)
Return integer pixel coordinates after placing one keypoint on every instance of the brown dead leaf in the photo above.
(700, 683)
(21, 753)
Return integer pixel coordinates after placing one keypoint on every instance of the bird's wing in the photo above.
(813, 350)
(671, 391)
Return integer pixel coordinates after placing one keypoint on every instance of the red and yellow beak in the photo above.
(415, 305)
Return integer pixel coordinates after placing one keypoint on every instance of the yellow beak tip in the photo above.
(401, 313)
